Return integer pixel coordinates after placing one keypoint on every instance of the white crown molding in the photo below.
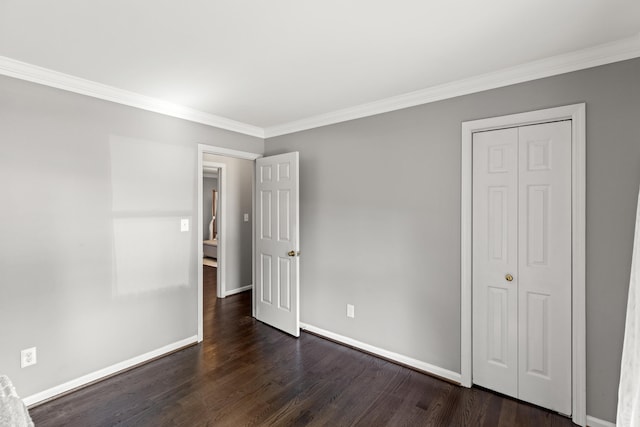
(22, 70)
(227, 152)
(586, 58)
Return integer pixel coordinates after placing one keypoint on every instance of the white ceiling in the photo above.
(267, 63)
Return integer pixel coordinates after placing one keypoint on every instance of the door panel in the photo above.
(265, 279)
(498, 324)
(277, 235)
(495, 333)
(537, 335)
(537, 225)
(284, 209)
(264, 211)
(545, 265)
(284, 284)
(498, 232)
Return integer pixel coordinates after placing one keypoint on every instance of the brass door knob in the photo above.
(509, 277)
(291, 253)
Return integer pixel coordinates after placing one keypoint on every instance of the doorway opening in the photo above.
(214, 221)
(213, 159)
(210, 216)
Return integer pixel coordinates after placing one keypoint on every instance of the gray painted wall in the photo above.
(94, 269)
(208, 184)
(238, 237)
(393, 249)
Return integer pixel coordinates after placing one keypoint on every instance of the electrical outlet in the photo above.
(28, 357)
(351, 311)
(184, 224)
(246, 217)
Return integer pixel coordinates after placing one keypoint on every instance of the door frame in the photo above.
(576, 113)
(225, 152)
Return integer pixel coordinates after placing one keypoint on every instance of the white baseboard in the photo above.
(595, 422)
(106, 372)
(118, 367)
(405, 360)
(238, 290)
(417, 364)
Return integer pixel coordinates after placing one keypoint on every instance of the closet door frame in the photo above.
(577, 114)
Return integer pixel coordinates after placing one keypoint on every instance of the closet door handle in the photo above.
(291, 253)
(509, 277)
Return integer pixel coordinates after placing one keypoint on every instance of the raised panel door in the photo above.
(277, 242)
(495, 204)
(522, 228)
(544, 266)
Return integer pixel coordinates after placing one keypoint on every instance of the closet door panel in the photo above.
(495, 169)
(544, 265)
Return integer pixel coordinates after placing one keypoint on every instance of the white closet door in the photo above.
(495, 234)
(522, 263)
(544, 266)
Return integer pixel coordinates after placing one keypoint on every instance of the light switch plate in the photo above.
(184, 224)
(351, 311)
(246, 217)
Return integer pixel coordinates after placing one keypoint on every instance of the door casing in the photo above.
(577, 114)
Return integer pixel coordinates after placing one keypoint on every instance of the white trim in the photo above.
(586, 58)
(579, 267)
(228, 152)
(222, 179)
(596, 422)
(253, 237)
(24, 71)
(200, 249)
(576, 113)
(238, 290)
(405, 360)
(106, 372)
(465, 259)
(594, 56)
(221, 250)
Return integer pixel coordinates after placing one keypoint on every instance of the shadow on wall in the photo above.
(150, 252)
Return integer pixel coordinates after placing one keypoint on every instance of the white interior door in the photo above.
(522, 263)
(277, 242)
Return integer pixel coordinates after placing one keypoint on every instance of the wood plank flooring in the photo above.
(248, 374)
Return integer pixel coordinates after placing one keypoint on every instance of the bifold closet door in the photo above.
(495, 254)
(544, 267)
(522, 263)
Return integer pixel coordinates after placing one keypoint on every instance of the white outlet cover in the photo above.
(351, 311)
(246, 217)
(184, 224)
(28, 357)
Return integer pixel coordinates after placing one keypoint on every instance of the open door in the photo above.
(277, 242)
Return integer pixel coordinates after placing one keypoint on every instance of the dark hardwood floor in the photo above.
(248, 374)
